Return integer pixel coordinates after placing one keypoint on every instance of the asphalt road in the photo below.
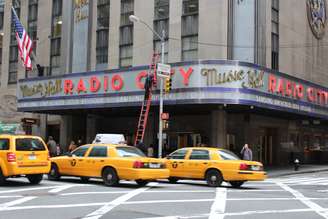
(298, 196)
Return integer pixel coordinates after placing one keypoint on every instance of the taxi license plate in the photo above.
(154, 165)
(32, 157)
(256, 168)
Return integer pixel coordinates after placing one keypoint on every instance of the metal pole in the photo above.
(160, 137)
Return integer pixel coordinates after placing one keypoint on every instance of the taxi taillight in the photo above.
(138, 164)
(11, 157)
(243, 166)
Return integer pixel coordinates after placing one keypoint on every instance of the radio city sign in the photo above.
(212, 81)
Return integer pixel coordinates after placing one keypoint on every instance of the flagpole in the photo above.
(33, 56)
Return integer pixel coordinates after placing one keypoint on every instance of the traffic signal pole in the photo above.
(160, 131)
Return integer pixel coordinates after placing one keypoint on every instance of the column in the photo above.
(91, 130)
(216, 14)
(65, 132)
(114, 33)
(175, 31)
(142, 36)
(219, 128)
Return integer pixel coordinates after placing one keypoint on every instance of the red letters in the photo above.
(186, 75)
(300, 90)
(310, 95)
(280, 87)
(106, 83)
(80, 86)
(117, 78)
(139, 77)
(272, 83)
(68, 87)
(94, 84)
(288, 88)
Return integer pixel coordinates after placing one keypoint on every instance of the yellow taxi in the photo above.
(214, 165)
(109, 162)
(23, 155)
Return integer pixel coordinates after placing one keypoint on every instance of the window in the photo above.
(103, 8)
(32, 21)
(199, 155)
(13, 50)
(56, 30)
(98, 151)
(189, 30)
(2, 8)
(29, 144)
(227, 155)
(4, 144)
(129, 152)
(80, 151)
(126, 33)
(161, 22)
(275, 35)
(179, 154)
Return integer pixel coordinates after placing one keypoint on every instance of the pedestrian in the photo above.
(246, 153)
(79, 142)
(150, 151)
(148, 86)
(58, 150)
(52, 146)
(72, 146)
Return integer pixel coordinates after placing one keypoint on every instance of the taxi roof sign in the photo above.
(109, 139)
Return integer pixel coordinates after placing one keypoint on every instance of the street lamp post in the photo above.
(134, 18)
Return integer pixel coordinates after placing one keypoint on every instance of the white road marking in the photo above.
(167, 201)
(120, 192)
(218, 207)
(116, 202)
(93, 193)
(16, 202)
(60, 188)
(11, 196)
(29, 189)
(317, 208)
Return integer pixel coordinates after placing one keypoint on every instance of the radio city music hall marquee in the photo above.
(212, 79)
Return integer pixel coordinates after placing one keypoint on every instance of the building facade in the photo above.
(244, 71)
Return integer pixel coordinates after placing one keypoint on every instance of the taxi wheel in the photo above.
(85, 179)
(35, 178)
(2, 178)
(236, 184)
(214, 178)
(110, 177)
(141, 182)
(173, 179)
(54, 173)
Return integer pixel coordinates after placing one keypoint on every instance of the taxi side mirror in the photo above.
(168, 157)
(67, 154)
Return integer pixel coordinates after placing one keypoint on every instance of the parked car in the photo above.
(110, 162)
(23, 155)
(213, 165)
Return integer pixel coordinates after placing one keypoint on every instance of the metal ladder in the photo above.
(142, 123)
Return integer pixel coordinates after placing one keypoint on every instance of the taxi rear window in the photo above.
(129, 152)
(228, 155)
(29, 144)
(4, 144)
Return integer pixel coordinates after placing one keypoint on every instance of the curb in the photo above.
(296, 173)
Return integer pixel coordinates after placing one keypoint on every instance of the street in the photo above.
(297, 196)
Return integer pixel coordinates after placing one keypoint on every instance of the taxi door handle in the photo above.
(205, 163)
(80, 160)
(102, 160)
(180, 162)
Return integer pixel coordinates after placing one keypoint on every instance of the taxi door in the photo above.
(176, 163)
(95, 161)
(74, 165)
(197, 163)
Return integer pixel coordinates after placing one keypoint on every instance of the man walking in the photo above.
(246, 153)
(52, 146)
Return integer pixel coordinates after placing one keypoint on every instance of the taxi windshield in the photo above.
(129, 152)
(228, 155)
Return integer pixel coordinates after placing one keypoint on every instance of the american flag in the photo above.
(24, 42)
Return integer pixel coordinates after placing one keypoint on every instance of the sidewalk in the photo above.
(289, 170)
